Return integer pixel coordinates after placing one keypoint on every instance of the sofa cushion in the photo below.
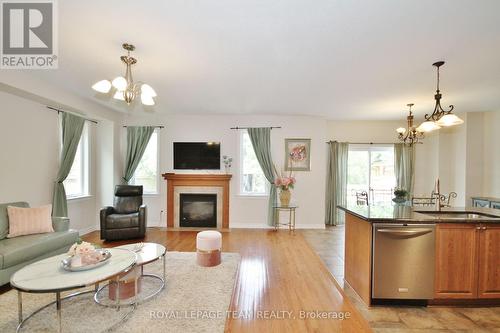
(118, 221)
(4, 217)
(20, 249)
(28, 221)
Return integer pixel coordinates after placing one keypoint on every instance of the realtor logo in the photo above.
(28, 34)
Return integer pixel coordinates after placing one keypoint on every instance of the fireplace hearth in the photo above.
(198, 210)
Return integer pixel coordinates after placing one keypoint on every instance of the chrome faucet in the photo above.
(437, 193)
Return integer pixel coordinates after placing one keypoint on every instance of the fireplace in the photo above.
(198, 210)
(197, 183)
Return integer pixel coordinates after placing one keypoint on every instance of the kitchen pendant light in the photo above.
(125, 87)
(410, 135)
(439, 117)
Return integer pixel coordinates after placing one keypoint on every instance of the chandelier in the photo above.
(125, 87)
(439, 117)
(410, 135)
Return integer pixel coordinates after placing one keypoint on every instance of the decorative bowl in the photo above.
(66, 263)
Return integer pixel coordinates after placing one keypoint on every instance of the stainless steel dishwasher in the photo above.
(403, 261)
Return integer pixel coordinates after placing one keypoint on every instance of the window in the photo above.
(252, 179)
(371, 169)
(77, 183)
(146, 173)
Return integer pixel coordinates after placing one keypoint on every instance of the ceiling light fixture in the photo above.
(410, 135)
(126, 89)
(439, 117)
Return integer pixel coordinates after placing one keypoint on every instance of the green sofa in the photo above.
(18, 252)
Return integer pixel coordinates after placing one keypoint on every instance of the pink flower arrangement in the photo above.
(83, 253)
(284, 183)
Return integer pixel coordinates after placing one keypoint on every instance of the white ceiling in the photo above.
(341, 59)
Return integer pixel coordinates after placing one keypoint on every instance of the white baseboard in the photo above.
(265, 226)
(156, 223)
(249, 226)
(88, 230)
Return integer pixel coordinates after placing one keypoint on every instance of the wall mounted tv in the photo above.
(197, 155)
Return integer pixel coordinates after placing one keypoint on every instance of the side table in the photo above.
(291, 216)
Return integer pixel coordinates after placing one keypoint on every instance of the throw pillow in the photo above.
(28, 221)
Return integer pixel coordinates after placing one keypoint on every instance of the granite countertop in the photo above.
(408, 214)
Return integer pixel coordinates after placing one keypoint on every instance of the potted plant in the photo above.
(285, 184)
(228, 161)
(400, 195)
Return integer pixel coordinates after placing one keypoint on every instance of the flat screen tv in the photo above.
(197, 155)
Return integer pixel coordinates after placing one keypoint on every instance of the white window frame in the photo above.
(132, 180)
(370, 148)
(240, 183)
(85, 160)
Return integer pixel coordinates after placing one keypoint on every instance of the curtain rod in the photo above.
(365, 143)
(158, 126)
(59, 110)
(238, 128)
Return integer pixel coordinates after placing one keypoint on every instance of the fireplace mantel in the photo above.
(204, 180)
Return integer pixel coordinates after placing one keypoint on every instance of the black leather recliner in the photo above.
(127, 219)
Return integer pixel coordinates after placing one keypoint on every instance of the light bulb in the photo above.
(428, 126)
(146, 89)
(147, 100)
(103, 86)
(120, 83)
(449, 120)
(119, 95)
(401, 130)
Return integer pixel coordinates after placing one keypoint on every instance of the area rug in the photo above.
(195, 299)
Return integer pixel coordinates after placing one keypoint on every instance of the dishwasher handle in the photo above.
(405, 232)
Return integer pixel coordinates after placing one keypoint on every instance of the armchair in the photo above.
(127, 219)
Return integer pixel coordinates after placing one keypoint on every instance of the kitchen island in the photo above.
(456, 260)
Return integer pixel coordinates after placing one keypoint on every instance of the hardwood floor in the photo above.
(279, 272)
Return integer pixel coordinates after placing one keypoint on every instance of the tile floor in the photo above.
(329, 244)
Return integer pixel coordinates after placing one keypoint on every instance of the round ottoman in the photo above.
(208, 248)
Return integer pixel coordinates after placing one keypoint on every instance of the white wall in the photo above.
(309, 192)
(29, 141)
(29, 154)
(364, 131)
(491, 153)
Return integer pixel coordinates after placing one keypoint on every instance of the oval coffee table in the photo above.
(146, 254)
(47, 276)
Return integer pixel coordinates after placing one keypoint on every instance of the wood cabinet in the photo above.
(489, 261)
(467, 261)
(358, 256)
(456, 260)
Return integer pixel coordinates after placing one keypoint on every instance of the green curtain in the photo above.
(72, 127)
(404, 167)
(261, 142)
(137, 141)
(336, 182)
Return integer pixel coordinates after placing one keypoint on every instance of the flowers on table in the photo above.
(284, 183)
(83, 253)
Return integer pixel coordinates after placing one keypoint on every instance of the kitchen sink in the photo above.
(458, 215)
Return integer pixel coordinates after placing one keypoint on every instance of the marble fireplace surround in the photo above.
(197, 183)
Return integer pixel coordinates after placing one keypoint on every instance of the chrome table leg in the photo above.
(58, 308)
(20, 306)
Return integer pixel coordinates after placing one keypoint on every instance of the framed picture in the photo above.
(297, 154)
